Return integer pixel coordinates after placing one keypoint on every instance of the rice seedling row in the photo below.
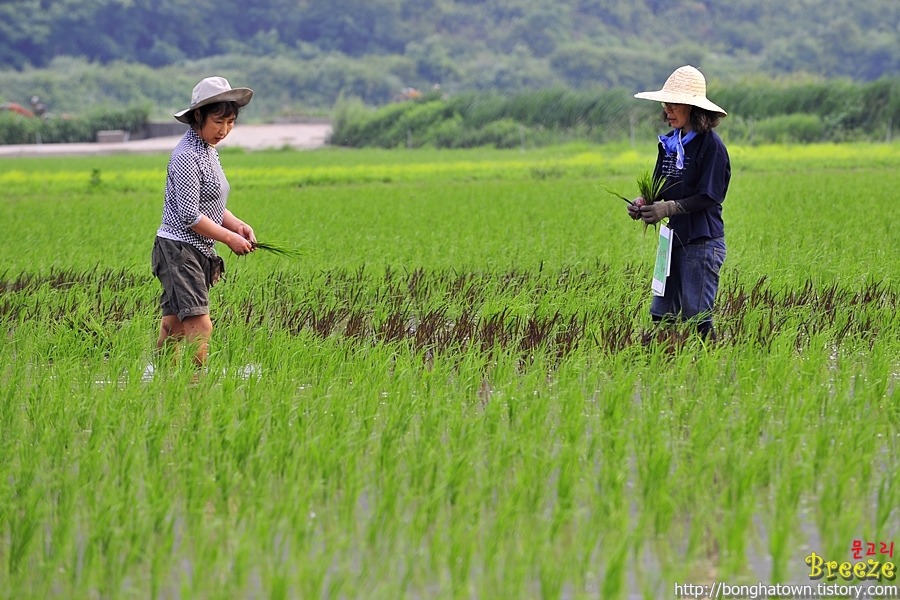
(454, 392)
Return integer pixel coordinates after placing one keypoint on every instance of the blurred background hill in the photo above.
(302, 55)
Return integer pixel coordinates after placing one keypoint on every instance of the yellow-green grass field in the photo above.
(455, 392)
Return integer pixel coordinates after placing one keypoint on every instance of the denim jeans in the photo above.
(692, 283)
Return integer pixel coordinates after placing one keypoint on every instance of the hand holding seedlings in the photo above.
(651, 189)
(246, 232)
(659, 210)
(239, 244)
(634, 208)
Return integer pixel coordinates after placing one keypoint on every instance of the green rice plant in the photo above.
(650, 190)
(616, 194)
(651, 187)
(279, 249)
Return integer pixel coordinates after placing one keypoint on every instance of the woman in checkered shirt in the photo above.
(195, 217)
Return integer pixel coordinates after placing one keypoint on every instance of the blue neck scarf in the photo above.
(674, 144)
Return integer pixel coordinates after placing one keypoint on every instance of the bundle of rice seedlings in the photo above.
(651, 188)
(279, 249)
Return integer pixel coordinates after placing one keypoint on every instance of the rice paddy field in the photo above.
(456, 391)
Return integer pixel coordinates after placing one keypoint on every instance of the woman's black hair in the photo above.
(703, 120)
(220, 109)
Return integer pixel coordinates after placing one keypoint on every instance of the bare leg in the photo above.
(197, 331)
(171, 331)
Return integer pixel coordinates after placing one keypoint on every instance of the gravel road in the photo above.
(306, 136)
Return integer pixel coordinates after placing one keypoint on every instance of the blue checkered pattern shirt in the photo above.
(195, 186)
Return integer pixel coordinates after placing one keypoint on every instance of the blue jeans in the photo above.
(692, 283)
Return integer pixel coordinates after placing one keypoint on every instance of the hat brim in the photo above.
(676, 98)
(240, 96)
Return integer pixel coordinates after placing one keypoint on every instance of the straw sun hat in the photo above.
(686, 85)
(211, 90)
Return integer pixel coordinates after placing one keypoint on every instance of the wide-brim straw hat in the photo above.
(686, 85)
(211, 90)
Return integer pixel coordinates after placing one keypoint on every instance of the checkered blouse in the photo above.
(195, 185)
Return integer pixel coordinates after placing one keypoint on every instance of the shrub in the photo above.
(446, 134)
(15, 129)
(505, 133)
(802, 128)
(358, 126)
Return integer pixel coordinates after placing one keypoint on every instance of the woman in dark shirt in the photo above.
(694, 161)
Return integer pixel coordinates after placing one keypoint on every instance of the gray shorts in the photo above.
(186, 274)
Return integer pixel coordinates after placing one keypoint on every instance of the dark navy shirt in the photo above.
(707, 171)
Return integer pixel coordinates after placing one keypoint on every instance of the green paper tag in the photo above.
(663, 260)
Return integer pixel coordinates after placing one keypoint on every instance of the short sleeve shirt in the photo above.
(195, 186)
(707, 170)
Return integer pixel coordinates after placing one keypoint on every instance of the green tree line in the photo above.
(122, 96)
(818, 69)
(504, 45)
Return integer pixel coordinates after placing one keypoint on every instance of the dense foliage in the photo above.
(760, 111)
(498, 73)
(466, 44)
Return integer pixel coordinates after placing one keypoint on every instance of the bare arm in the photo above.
(232, 223)
(233, 238)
